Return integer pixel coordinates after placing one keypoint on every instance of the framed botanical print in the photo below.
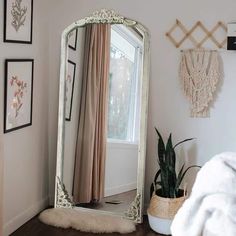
(73, 39)
(18, 21)
(70, 79)
(18, 93)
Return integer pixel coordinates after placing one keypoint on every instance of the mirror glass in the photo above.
(100, 166)
(101, 175)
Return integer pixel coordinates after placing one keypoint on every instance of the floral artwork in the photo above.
(18, 94)
(18, 14)
(19, 87)
(68, 84)
(18, 17)
(70, 78)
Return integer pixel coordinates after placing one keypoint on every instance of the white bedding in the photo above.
(211, 208)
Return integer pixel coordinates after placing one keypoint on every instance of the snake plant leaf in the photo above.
(161, 147)
(183, 141)
(166, 180)
(168, 150)
(171, 158)
(157, 175)
(172, 178)
(178, 181)
(185, 172)
(171, 153)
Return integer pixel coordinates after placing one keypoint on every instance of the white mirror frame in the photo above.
(62, 199)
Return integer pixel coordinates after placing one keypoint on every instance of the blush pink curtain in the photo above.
(89, 173)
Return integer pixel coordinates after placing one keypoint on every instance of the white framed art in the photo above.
(73, 39)
(70, 79)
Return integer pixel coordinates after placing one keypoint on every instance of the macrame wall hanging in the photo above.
(200, 69)
(200, 72)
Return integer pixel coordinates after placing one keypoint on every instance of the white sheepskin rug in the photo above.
(86, 221)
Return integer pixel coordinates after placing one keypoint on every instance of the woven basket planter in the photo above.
(165, 208)
(161, 212)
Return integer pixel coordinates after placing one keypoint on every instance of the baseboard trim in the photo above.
(120, 189)
(25, 216)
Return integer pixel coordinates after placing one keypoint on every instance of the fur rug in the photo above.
(86, 221)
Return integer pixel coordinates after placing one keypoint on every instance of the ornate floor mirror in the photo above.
(102, 123)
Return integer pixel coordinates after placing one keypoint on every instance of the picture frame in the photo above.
(18, 94)
(70, 80)
(72, 42)
(18, 30)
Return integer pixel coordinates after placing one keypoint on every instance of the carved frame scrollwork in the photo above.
(63, 199)
(103, 16)
(133, 213)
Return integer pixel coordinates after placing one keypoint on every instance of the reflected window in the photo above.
(124, 85)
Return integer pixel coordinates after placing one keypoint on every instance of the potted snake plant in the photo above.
(166, 194)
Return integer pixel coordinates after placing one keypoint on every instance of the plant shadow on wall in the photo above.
(165, 191)
(191, 151)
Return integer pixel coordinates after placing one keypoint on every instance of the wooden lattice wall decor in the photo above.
(188, 34)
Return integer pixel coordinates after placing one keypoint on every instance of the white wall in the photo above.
(26, 150)
(121, 168)
(168, 108)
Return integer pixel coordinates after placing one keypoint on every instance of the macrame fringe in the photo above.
(200, 73)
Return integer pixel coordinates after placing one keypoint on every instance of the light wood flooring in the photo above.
(125, 198)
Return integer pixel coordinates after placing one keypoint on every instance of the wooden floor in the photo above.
(125, 198)
(35, 228)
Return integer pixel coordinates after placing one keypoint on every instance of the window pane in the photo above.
(121, 86)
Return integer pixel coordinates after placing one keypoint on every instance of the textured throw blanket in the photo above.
(211, 208)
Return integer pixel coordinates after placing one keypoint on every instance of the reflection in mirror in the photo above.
(102, 115)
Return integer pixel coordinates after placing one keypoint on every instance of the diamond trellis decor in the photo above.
(188, 34)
